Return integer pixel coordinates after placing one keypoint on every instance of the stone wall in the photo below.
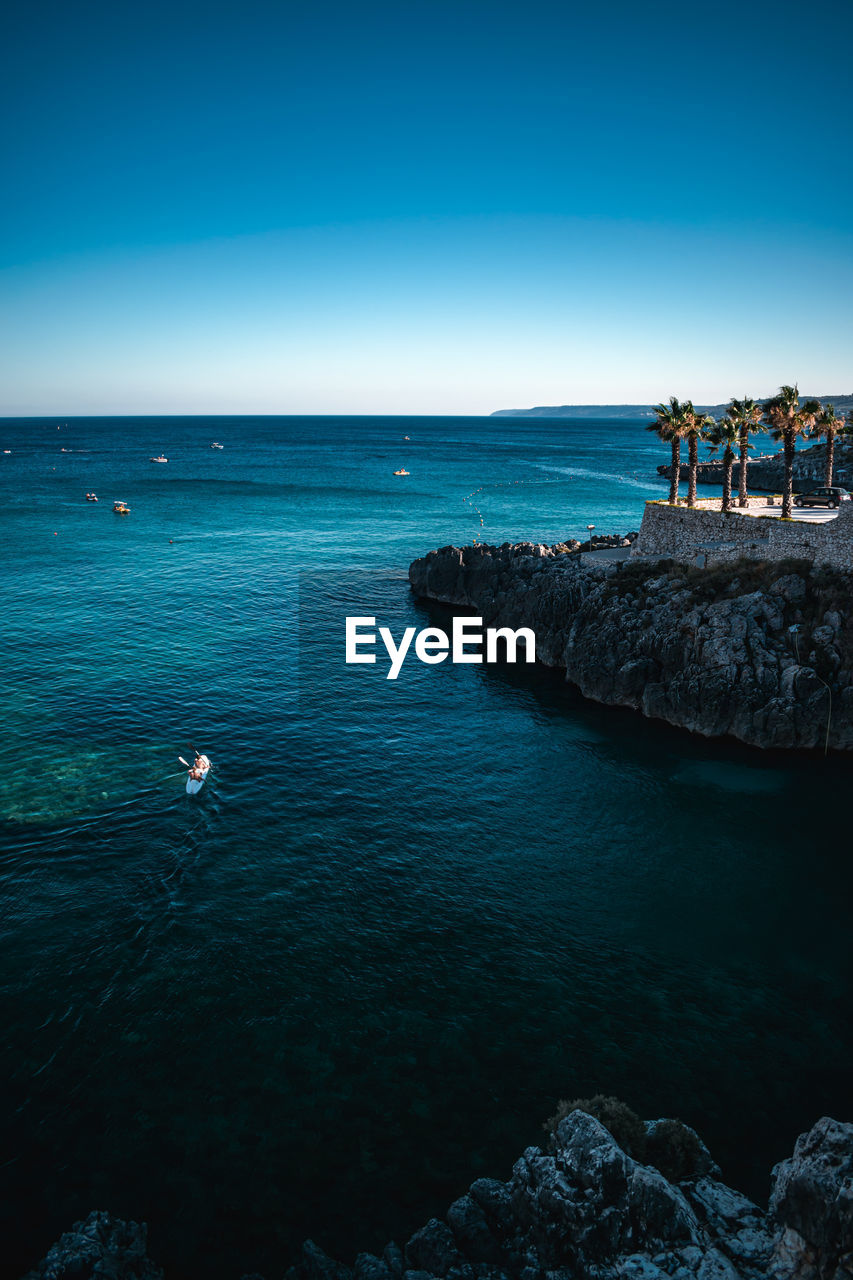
(698, 537)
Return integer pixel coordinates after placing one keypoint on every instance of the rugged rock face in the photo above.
(812, 1199)
(103, 1248)
(587, 1211)
(761, 651)
(582, 1210)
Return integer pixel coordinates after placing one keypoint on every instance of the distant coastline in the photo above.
(841, 402)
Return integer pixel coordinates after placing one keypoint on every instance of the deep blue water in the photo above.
(403, 919)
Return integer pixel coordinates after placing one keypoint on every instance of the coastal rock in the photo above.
(101, 1248)
(586, 1210)
(582, 1210)
(433, 1249)
(317, 1265)
(812, 1199)
(758, 651)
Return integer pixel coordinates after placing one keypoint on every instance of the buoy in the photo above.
(170, 542)
(56, 535)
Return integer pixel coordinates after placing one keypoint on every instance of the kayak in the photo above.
(194, 785)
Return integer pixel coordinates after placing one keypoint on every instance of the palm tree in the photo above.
(695, 425)
(787, 419)
(669, 425)
(726, 435)
(746, 415)
(829, 425)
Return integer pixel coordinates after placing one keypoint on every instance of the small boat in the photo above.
(121, 508)
(407, 437)
(91, 497)
(7, 450)
(402, 472)
(217, 445)
(194, 785)
(160, 459)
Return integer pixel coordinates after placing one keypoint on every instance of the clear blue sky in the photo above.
(422, 207)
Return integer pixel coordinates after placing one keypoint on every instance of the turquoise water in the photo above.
(403, 918)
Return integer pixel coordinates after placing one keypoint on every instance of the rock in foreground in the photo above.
(101, 1248)
(587, 1211)
(582, 1210)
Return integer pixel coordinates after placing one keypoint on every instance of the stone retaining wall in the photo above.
(693, 536)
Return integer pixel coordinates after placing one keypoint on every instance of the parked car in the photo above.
(822, 498)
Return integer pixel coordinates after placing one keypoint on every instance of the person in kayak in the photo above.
(199, 765)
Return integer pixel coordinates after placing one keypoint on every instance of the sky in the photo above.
(420, 207)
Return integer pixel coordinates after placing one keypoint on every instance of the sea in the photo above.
(402, 919)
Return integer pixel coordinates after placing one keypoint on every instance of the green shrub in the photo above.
(675, 1151)
(624, 1124)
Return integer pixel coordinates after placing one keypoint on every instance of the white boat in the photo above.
(160, 459)
(194, 785)
(217, 445)
(402, 472)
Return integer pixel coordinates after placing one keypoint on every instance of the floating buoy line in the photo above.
(507, 484)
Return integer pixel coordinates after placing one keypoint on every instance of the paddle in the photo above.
(189, 766)
(198, 753)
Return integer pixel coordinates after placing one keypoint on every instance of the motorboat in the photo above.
(160, 459)
(217, 445)
(402, 472)
(91, 497)
(121, 508)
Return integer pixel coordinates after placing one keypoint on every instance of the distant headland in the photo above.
(841, 402)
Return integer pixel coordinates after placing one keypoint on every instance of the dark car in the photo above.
(822, 498)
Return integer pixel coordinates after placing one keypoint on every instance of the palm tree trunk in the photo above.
(728, 460)
(675, 472)
(830, 457)
(693, 456)
(789, 442)
(744, 451)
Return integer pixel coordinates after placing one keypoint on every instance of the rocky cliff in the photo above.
(760, 651)
(581, 1209)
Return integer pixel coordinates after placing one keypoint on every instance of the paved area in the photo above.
(758, 507)
(811, 515)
